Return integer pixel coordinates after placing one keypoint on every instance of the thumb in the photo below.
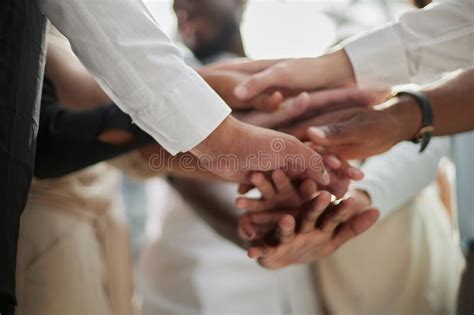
(329, 135)
(266, 102)
(300, 158)
(257, 84)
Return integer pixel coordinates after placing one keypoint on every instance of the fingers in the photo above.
(283, 184)
(245, 188)
(251, 205)
(355, 226)
(329, 135)
(244, 65)
(308, 190)
(286, 229)
(245, 228)
(258, 225)
(263, 184)
(339, 184)
(346, 209)
(257, 252)
(337, 99)
(258, 83)
(267, 103)
(286, 112)
(313, 210)
(300, 161)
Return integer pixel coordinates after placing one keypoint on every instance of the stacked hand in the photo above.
(298, 225)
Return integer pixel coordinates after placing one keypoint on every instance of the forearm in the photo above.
(69, 141)
(135, 63)
(183, 165)
(453, 108)
(453, 104)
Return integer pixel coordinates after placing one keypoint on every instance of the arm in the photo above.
(69, 140)
(397, 176)
(350, 133)
(122, 46)
(419, 47)
(144, 74)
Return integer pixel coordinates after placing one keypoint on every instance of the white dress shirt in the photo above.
(420, 45)
(395, 177)
(123, 47)
(418, 48)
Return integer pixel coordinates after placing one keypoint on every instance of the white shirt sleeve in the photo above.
(123, 47)
(400, 174)
(416, 49)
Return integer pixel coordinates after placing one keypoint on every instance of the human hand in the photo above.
(307, 74)
(278, 192)
(319, 229)
(361, 132)
(224, 82)
(236, 149)
(307, 105)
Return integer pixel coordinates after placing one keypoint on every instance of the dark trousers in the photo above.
(466, 292)
(21, 72)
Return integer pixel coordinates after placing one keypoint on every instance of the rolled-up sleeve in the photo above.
(400, 174)
(123, 47)
(419, 47)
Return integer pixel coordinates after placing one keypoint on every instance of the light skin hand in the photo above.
(328, 71)
(224, 83)
(236, 149)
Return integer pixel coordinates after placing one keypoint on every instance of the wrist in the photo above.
(220, 139)
(408, 117)
(338, 68)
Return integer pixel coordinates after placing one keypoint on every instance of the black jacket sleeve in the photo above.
(68, 140)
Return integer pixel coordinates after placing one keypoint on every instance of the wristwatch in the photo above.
(425, 134)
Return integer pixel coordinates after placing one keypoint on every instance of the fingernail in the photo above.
(334, 161)
(326, 178)
(355, 172)
(318, 133)
(241, 91)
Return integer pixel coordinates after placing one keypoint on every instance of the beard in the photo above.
(223, 40)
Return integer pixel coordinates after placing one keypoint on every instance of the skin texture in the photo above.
(361, 132)
(250, 140)
(294, 229)
(253, 149)
(332, 70)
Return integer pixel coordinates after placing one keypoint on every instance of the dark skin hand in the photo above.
(302, 230)
(359, 133)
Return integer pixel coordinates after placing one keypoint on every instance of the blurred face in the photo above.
(207, 26)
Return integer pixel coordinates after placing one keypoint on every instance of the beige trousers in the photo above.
(72, 264)
(410, 263)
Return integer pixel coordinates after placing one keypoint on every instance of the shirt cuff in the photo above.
(378, 57)
(186, 115)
